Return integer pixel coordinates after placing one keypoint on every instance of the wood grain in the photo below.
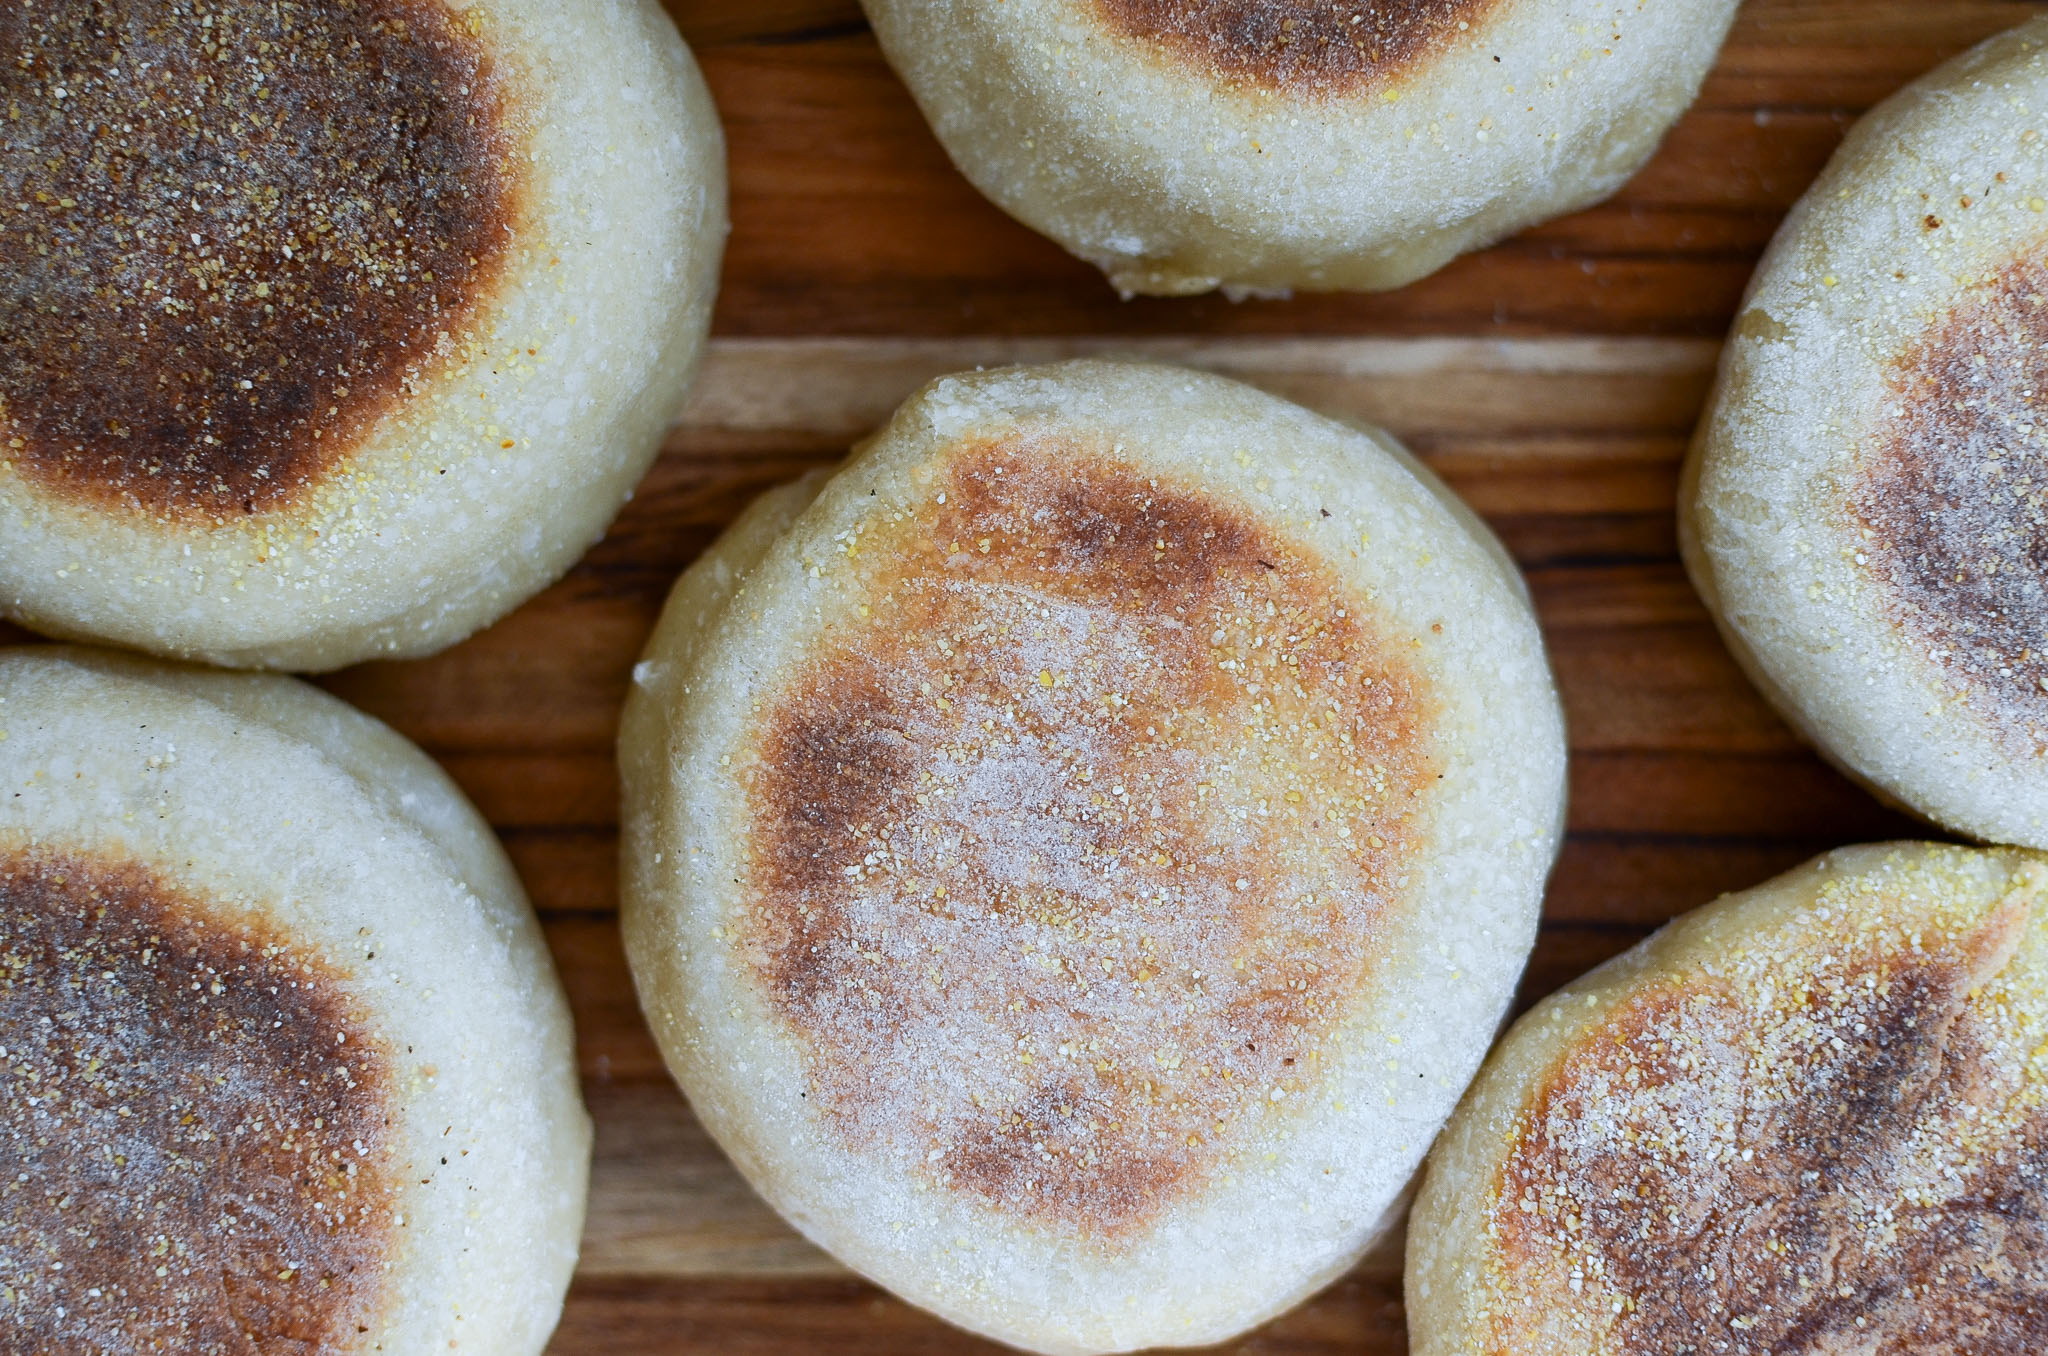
(1552, 380)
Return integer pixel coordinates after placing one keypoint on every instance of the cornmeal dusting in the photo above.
(192, 1128)
(1305, 45)
(1833, 1143)
(232, 232)
(1069, 853)
(1952, 502)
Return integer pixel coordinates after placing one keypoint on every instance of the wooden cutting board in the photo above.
(1553, 381)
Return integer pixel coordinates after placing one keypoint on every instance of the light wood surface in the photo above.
(1553, 381)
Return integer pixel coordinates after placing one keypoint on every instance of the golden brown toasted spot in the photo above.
(1067, 854)
(1853, 1163)
(1953, 499)
(192, 1127)
(232, 234)
(1324, 46)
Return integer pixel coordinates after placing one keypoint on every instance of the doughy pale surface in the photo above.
(1863, 510)
(287, 1067)
(346, 354)
(1112, 808)
(1807, 1119)
(1265, 145)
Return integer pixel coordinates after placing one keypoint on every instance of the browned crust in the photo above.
(1067, 854)
(1951, 500)
(1855, 1169)
(233, 235)
(1301, 46)
(192, 1121)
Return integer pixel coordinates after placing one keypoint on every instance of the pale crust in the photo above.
(1860, 510)
(348, 355)
(1032, 833)
(235, 918)
(1269, 145)
(1808, 1118)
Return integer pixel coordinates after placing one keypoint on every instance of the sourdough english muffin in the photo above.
(1806, 1120)
(286, 1066)
(1076, 854)
(1864, 511)
(333, 329)
(1183, 145)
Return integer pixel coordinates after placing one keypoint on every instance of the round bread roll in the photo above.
(1265, 145)
(334, 329)
(1864, 508)
(1806, 1120)
(286, 1066)
(1076, 854)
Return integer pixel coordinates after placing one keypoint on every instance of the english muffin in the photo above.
(333, 329)
(1805, 1120)
(1076, 854)
(1265, 145)
(286, 1064)
(1864, 508)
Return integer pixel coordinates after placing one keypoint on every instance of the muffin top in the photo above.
(1068, 850)
(232, 234)
(196, 1117)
